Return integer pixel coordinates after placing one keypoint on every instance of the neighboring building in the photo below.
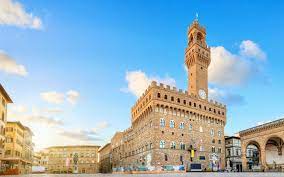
(105, 159)
(37, 166)
(18, 148)
(171, 128)
(263, 147)
(4, 99)
(117, 149)
(43, 158)
(233, 153)
(63, 159)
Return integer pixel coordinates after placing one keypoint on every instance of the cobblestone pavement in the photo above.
(165, 175)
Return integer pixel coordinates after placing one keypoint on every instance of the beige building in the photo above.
(263, 147)
(73, 159)
(4, 99)
(18, 148)
(105, 159)
(175, 129)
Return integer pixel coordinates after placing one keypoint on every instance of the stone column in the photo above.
(244, 157)
(263, 158)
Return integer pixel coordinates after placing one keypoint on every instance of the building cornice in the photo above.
(263, 127)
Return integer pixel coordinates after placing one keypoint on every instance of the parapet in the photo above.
(173, 89)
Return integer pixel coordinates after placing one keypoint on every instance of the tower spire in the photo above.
(196, 17)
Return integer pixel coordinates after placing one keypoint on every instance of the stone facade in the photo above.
(262, 146)
(105, 159)
(18, 148)
(171, 128)
(233, 153)
(62, 159)
(4, 99)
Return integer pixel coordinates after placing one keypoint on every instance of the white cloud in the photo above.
(251, 49)
(225, 97)
(53, 97)
(12, 13)
(10, 66)
(138, 82)
(19, 109)
(21, 113)
(85, 135)
(101, 126)
(72, 96)
(48, 121)
(227, 69)
(79, 135)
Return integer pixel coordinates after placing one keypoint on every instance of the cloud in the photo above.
(251, 49)
(32, 116)
(228, 69)
(12, 13)
(72, 96)
(78, 135)
(9, 65)
(17, 108)
(138, 82)
(53, 97)
(225, 97)
(85, 135)
(101, 126)
(49, 121)
(52, 111)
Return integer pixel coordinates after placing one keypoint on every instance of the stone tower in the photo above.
(197, 60)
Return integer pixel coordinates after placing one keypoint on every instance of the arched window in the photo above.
(166, 97)
(162, 122)
(213, 149)
(190, 127)
(178, 100)
(219, 133)
(212, 132)
(172, 98)
(166, 157)
(173, 145)
(181, 125)
(182, 146)
(199, 37)
(162, 144)
(159, 95)
(172, 124)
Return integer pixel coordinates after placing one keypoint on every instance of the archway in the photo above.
(253, 156)
(274, 151)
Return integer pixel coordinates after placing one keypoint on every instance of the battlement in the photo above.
(182, 93)
(195, 24)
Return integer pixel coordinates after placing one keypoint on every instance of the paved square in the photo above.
(163, 175)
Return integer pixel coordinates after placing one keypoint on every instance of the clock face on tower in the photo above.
(202, 94)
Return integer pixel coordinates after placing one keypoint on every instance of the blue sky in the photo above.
(76, 61)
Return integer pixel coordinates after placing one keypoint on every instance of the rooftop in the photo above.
(259, 127)
(5, 94)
